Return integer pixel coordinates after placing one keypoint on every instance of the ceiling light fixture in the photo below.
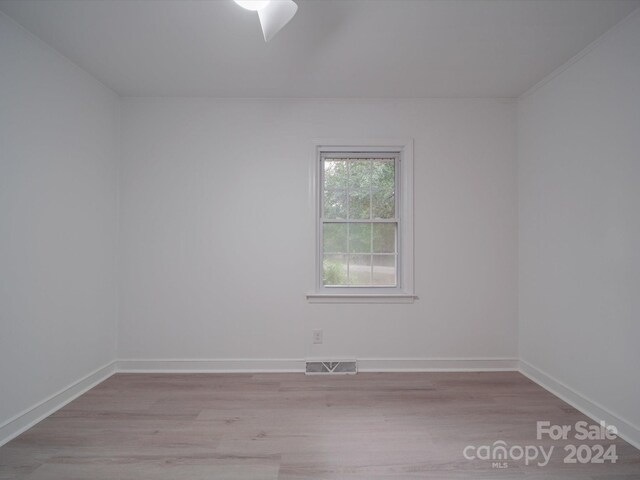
(273, 14)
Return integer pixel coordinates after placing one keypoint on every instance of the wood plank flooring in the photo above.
(390, 426)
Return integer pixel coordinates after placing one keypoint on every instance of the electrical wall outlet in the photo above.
(317, 336)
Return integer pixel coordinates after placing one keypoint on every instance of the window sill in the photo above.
(360, 298)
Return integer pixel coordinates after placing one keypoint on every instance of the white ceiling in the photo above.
(331, 48)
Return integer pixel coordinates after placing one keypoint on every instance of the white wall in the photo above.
(217, 235)
(59, 147)
(579, 260)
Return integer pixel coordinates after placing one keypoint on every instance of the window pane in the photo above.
(359, 204)
(335, 204)
(384, 237)
(383, 185)
(384, 270)
(334, 237)
(334, 270)
(335, 174)
(383, 203)
(359, 269)
(359, 174)
(359, 238)
(383, 173)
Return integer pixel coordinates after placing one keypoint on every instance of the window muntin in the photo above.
(360, 225)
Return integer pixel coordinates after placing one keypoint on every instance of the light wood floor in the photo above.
(289, 426)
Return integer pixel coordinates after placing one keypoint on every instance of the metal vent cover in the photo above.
(322, 367)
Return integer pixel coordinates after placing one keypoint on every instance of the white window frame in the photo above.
(403, 292)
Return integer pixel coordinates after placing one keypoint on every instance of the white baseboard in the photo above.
(232, 365)
(437, 364)
(221, 365)
(29, 417)
(593, 410)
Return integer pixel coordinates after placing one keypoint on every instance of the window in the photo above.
(359, 220)
(363, 223)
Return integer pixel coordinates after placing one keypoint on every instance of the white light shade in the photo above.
(253, 4)
(276, 15)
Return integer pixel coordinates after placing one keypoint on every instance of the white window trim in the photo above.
(404, 293)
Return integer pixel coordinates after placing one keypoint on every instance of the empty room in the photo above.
(319, 239)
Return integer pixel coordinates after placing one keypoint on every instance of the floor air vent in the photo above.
(344, 367)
